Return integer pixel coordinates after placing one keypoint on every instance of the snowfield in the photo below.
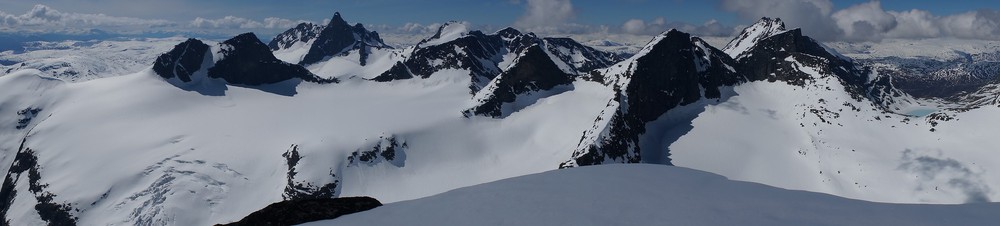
(640, 194)
(169, 156)
(76, 61)
(119, 145)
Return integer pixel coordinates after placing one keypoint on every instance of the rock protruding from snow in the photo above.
(245, 60)
(183, 61)
(339, 37)
(304, 190)
(302, 33)
(398, 71)
(765, 27)
(674, 70)
(292, 212)
(24, 171)
(534, 71)
(388, 149)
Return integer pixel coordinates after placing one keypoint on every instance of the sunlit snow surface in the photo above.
(133, 149)
(140, 149)
(75, 61)
(652, 195)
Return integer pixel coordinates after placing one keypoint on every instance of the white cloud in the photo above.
(552, 17)
(981, 24)
(813, 14)
(660, 24)
(417, 28)
(634, 26)
(45, 17)
(868, 21)
(281, 23)
(865, 21)
(915, 24)
(546, 13)
(233, 22)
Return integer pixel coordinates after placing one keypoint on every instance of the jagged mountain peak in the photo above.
(241, 60)
(337, 20)
(673, 70)
(508, 32)
(183, 61)
(246, 60)
(447, 32)
(301, 33)
(534, 70)
(454, 46)
(243, 39)
(763, 28)
(339, 37)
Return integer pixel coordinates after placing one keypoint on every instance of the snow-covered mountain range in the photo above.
(955, 71)
(208, 132)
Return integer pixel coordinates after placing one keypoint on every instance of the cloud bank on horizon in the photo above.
(866, 21)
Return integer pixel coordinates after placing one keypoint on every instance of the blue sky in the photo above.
(710, 17)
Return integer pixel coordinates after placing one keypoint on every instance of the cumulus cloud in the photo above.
(983, 24)
(814, 14)
(553, 17)
(546, 13)
(417, 28)
(233, 22)
(634, 26)
(659, 25)
(865, 21)
(45, 17)
(869, 21)
(915, 24)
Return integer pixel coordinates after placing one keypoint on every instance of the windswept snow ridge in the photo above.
(651, 195)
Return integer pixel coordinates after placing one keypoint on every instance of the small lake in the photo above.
(921, 111)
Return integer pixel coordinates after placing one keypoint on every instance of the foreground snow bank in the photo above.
(653, 195)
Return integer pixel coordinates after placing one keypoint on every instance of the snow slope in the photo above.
(170, 156)
(826, 141)
(763, 28)
(652, 195)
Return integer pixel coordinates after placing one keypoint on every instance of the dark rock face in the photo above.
(774, 59)
(399, 71)
(304, 32)
(767, 61)
(338, 37)
(294, 212)
(482, 54)
(182, 61)
(26, 161)
(295, 190)
(247, 61)
(673, 73)
(534, 71)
